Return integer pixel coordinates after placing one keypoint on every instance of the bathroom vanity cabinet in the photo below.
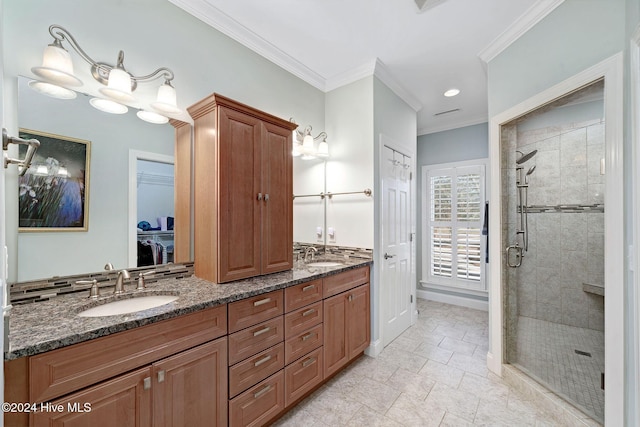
(346, 318)
(173, 372)
(244, 363)
(243, 191)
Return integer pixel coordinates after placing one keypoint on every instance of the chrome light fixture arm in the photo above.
(100, 70)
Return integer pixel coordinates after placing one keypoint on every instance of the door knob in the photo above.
(387, 256)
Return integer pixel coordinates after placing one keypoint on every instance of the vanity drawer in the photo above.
(303, 343)
(253, 340)
(341, 282)
(259, 404)
(302, 294)
(302, 319)
(251, 311)
(254, 369)
(302, 376)
(58, 372)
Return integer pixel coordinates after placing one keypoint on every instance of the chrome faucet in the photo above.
(310, 250)
(122, 274)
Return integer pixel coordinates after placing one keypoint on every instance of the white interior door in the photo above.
(397, 289)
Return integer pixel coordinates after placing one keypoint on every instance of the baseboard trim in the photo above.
(494, 364)
(374, 349)
(453, 299)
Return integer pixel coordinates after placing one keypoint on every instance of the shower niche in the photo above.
(553, 180)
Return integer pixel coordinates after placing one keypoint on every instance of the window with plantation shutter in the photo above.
(453, 210)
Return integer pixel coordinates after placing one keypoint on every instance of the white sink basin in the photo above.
(324, 264)
(130, 305)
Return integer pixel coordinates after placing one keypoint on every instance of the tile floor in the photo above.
(434, 374)
(547, 351)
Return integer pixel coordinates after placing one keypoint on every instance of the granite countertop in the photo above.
(39, 327)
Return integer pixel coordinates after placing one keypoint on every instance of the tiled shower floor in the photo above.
(434, 374)
(547, 352)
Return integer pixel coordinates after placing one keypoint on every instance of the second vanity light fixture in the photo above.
(304, 144)
(57, 72)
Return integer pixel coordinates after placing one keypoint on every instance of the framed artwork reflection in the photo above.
(54, 192)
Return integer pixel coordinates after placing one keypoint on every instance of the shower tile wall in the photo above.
(566, 249)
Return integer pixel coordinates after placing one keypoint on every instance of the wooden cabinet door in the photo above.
(358, 325)
(120, 402)
(335, 338)
(277, 213)
(240, 201)
(190, 388)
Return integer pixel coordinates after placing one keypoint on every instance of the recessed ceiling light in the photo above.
(452, 92)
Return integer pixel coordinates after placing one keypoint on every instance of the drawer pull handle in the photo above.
(261, 361)
(160, 376)
(261, 302)
(306, 337)
(146, 383)
(308, 362)
(261, 331)
(308, 288)
(261, 392)
(308, 312)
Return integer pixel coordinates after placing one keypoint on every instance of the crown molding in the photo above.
(524, 23)
(382, 73)
(350, 76)
(449, 126)
(222, 22)
(225, 24)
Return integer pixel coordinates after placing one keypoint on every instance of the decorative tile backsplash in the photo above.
(45, 289)
(42, 290)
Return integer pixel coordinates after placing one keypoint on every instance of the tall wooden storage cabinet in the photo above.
(243, 194)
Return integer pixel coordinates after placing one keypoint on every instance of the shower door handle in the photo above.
(518, 250)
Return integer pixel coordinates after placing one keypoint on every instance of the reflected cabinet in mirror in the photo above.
(129, 211)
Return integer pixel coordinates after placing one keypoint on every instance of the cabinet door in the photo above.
(358, 327)
(190, 388)
(335, 338)
(277, 184)
(120, 402)
(239, 184)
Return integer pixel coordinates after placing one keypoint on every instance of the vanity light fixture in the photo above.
(57, 70)
(304, 144)
(52, 90)
(108, 106)
(151, 117)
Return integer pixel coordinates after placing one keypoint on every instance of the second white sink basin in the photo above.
(130, 305)
(324, 264)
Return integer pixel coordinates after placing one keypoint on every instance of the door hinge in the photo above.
(410, 176)
(411, 299)
(411, 237)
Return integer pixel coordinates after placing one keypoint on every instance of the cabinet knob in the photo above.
(259, 196)
(146, 383)
(266, 197)
(350, 298)
(161, 376)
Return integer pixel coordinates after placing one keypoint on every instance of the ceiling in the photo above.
(419, 54)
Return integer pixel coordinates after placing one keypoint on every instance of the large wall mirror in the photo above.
(309, 209)
(115, 140)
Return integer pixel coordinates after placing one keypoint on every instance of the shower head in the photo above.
(531, 169)
(524, 157)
